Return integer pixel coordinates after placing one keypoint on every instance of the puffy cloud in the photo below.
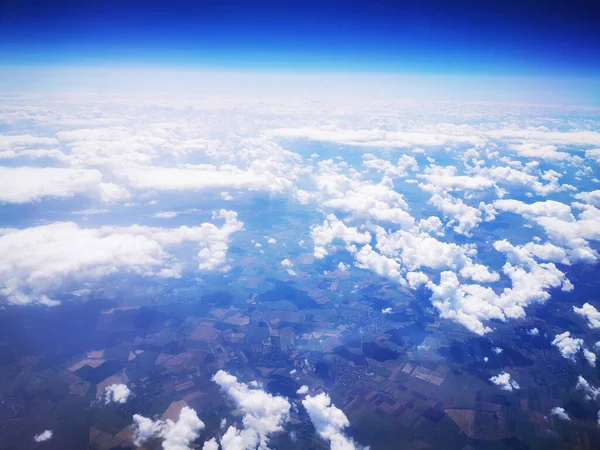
(27, 184)
(38, 259)
(560, 413)
(593, 198)
(590, 313)
(43, 437)
(591, 393)
(302, 390)
(590, 357)
(533, 332)
(334, 229)
(441, 179)
(509, 176)
(472, 304)
(399, 170)
(175, 435)
(466, 217)
(362, 199)
(263, 414)
(286, 263)
(202, 178)
(211, 444)
(418, 250)
(329, 421)
(387, 310)
(367, 258)
(416, 279)
(560, 224)
(536, 150)
(568, 346)
(468, 304)
(504, 381)
(116, 393)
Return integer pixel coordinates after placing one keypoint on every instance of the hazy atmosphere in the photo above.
(299, 225)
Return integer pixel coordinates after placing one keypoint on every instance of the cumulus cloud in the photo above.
(263, 414)
(329, 421)
(504, 381)
(38, 259)
(387, 310)
(590, 313)
(177, 435)
(561, 225)
(27, 184)
(590, 357)
(362, 199)
(593, 197)
(560, 413)
(116, 393)
(334, 229)
(398, 170)
(302, 390)
(568, 346)
(533, 332)
(211, 444)
(43, 437)
(591, 392)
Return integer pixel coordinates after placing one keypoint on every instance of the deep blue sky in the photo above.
(435, 37)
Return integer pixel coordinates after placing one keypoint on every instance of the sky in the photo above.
(525, 39)
(432, 36)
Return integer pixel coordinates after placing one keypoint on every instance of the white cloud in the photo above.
(464, 216)
(560, 413)
(398, 170)
(504, 381)
(591, 393)
(175, 435)
(533, 332)
(331, 230)
(38, 259)
(590, 357)
(590, 313)
(27, 184)
(593, 198)
(387, 310)
(536, 150)
(211, 444)
(416, 279)
(441, 179)
(263, 414)
(342, 267)
(302, 390)
(568, 346)
(497, 350)
(375, 138)
(286, 263)
(116, 393)
(329, 421)
(560, 224)
(468, 304)
(43, 437)
(362, 199)
(165, 215)
(383, 266)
